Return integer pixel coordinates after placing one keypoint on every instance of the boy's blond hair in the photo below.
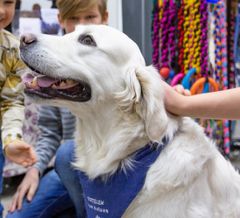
(69, 8)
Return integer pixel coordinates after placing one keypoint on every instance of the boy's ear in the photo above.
(105, 18)
(60, 20)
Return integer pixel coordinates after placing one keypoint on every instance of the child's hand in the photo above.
(175, 98)
(26, 189)
(180, 89)
(21, 153)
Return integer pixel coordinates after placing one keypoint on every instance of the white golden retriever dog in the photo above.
(100, 75)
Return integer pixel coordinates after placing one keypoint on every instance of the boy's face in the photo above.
(7, 10)
(91, 16)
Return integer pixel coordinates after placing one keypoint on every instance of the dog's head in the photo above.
(94, 65)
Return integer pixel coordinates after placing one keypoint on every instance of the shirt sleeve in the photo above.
(50, 126)
(12, 99)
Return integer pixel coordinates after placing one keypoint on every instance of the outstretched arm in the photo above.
(215, 105)
(12, 113)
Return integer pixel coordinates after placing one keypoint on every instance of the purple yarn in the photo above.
(172, 29)
(204, 36)
(164, 36)
(155, 36)
(217, 39)
(168, 33)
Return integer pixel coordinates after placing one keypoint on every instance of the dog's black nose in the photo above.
(27, 39)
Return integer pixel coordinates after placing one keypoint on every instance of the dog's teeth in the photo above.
(34, 83)
(69, 82)
(62, 84)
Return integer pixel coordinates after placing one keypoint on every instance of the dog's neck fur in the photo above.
(101, 142)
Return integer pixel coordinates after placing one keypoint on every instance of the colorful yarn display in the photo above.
(204, 36)
(155, 34)
(181, 38)
(180, 43)
(232, 15)
(221, 61)
(192, 36)
(167, 37)
(236, 46)
(164, 25)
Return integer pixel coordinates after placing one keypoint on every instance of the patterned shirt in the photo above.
(11, 95)
(56, 125)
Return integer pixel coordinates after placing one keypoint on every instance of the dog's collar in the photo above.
(151, 145)
(112, 197)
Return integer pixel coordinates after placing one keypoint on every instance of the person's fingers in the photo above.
(29, 160)
(32, 191)
(22, 192)
(181, 90)
(33, 155)
(22, 153)
(30, 154)
(24, 146)
(26, 160)
(178, 88)
(187, 92)
(13, 204)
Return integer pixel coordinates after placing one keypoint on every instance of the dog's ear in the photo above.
(144, 95)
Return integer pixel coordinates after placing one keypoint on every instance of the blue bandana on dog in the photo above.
(110, 199)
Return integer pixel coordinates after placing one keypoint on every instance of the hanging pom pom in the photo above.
(164, 72)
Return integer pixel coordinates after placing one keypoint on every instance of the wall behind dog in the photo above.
(114, 8)
(115, 14)
(137, 24)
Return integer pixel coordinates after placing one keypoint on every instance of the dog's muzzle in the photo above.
(40, 84)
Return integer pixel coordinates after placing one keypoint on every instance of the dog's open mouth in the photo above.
(47, 87)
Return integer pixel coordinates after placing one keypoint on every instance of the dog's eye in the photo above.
(87, 40)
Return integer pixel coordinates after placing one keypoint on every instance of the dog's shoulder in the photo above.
(183, 158)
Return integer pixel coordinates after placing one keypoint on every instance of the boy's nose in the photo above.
(27, 39)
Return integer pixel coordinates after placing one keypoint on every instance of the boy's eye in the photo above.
(90, 17)
(87, 40)
(9, 2)
(73, 18)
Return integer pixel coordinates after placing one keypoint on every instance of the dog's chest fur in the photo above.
(181, 181)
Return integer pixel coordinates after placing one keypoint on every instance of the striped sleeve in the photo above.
(49, 123)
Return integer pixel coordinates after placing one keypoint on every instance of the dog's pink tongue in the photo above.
(28, 78)
(45, 81)
(42, 81)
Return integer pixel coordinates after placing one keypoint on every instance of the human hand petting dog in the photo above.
(179, 101)
(20, 152)
(181, 90)
(174, 98)
(27, 188)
